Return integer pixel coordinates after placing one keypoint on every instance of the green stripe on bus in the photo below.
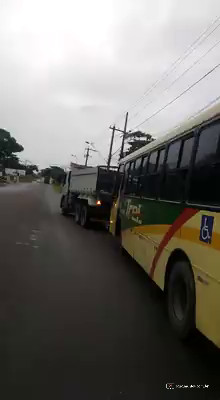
(137, 212)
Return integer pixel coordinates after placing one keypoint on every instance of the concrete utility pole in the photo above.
(88, 149)
(87, 155)
(111, 145)
(123, 136)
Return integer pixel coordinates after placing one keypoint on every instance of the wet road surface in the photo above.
(78, 320)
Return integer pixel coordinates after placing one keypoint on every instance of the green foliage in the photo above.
(54, 172)
(138, 140)
(46, 172)
(9, 146)
(31, 168)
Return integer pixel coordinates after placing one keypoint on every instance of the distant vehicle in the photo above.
(167, 214)
(87, 193)
(47, 179)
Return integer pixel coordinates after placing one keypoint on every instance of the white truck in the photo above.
(87, 193)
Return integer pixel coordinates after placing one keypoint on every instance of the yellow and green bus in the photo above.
(168, 216)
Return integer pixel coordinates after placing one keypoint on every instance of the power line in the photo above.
(180, 59)
(204, 108)
(116, 151)
(177, 97)
(179, 77)
(98, 151)
(195, 114)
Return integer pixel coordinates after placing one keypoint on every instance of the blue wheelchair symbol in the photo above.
(206, 229)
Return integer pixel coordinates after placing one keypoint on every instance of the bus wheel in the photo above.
(181, 299)
(84, 217)
(77, 213)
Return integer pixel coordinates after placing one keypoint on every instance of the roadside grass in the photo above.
(57, 187)
(26, 179)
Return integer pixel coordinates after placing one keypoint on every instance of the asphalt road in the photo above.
(78, 320)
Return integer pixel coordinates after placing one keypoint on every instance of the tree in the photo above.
(46, 172)
(57, 173)
(137, 140)
(31, 168)
(54, 172)
(9, 146)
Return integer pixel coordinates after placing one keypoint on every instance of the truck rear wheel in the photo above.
(77, 213)
(64, 210)
(181, 299)
(84, 217)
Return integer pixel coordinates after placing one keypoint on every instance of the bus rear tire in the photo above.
(180, 296)
(77, 216)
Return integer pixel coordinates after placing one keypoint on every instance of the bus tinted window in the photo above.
(208, 147)
(173, 155)
(131, 171)
(152, 162)
(136, 175)
(142, 177)
(127, 167)
(187, 152)
(161, 159)
(204, 185)
(173, 186)
(151, 181)
(129, 188)
(144, 164)
(138, 166)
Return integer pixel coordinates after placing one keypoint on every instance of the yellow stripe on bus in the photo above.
(185, 233)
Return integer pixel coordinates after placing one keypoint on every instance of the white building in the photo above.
(15, 172)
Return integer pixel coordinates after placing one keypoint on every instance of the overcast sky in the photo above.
(69, 69)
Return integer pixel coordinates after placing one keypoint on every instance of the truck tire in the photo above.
(64, 210)
(181, 299)
(84, 217)
(77, 213)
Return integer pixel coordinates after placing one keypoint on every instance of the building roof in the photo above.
(177, 131)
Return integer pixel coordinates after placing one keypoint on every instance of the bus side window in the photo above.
(151, 179)
(136, 176)
(177, 166)
(128, 188)
(142, 174)
(204, 185)
(126, 176)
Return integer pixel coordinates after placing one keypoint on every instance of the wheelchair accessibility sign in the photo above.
(206, 229)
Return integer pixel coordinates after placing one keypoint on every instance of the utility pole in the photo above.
(87, 155)
(123, 136)
(110, 148)
(88, 149)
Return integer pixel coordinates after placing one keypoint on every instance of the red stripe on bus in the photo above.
(183, 217)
